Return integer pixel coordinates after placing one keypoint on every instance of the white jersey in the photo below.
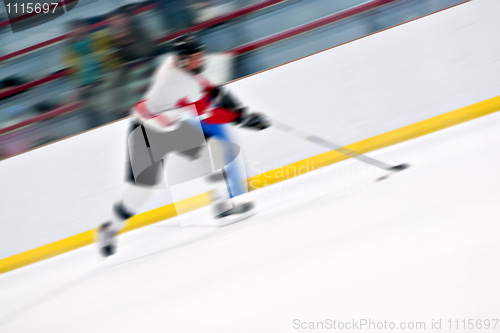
(170, 87)
(175, 94)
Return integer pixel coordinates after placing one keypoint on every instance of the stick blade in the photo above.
(400, 167)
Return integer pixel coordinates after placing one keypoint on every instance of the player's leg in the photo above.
(234, 168)
(204, 160)
(132, 200)
(231, 171)
(138, 192)
(208, 161)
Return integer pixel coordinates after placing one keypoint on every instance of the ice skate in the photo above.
(235, 214)
(106, 240)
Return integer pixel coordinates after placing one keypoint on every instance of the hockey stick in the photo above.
(343, 150)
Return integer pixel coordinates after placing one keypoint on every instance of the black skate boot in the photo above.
(106, 240)
(237, 213)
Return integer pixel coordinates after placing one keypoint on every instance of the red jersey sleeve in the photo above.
(208, 113)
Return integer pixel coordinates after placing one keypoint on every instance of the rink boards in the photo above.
(371, 93)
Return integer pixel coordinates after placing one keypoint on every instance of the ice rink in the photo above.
(423, 245)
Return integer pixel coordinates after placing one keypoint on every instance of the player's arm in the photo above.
(164, 121)
(162, 110)
(221, 107)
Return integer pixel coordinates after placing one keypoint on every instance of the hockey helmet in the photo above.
(187, 45)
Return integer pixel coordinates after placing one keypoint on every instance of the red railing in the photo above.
(308, 27)
(237, 51)
(198, 27)
(265, 41)
(29, 15)
(54, 113)
(32, 84)
(221, 19)
(218, 20)
(56, 40)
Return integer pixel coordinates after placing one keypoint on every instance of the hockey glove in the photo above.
(223, 98)
(256, 121)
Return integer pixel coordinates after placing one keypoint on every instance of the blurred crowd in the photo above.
(102, 60)
(109, 59)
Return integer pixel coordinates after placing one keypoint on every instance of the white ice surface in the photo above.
(332, 244)
(346, 94)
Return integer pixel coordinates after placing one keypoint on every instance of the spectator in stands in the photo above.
(130, 41)
(81, 55)
(87, 69)
(131, 48)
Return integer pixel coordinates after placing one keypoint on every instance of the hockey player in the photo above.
(163, 124)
